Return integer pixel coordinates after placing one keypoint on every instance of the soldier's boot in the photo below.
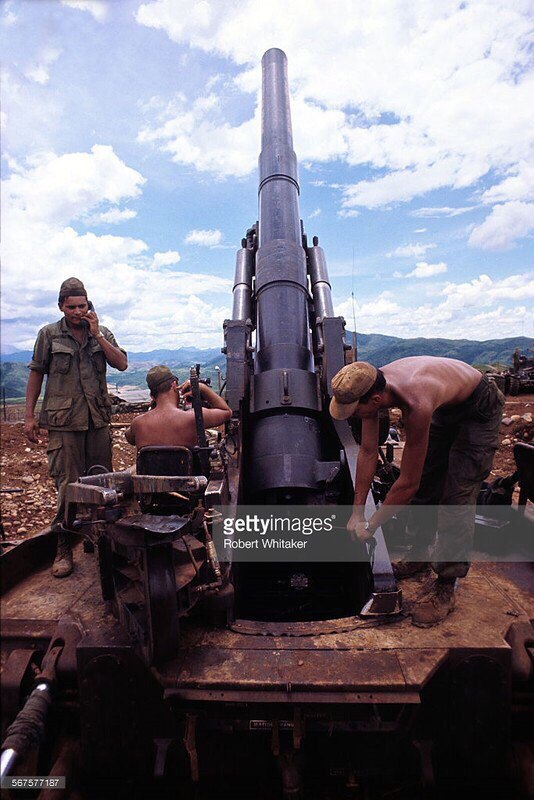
(407, 568)
(434, 603)
(62, 565)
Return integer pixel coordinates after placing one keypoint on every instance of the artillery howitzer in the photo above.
(521, 377)
(174, 665)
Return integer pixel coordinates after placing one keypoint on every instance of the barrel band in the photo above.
(279, 178)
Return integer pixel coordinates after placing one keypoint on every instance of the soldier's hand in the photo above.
(92, 320)
(185, 389)
(356, 528)
(31, 430)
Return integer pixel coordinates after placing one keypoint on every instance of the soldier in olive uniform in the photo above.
(76, 410)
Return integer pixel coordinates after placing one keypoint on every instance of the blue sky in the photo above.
(130, 143)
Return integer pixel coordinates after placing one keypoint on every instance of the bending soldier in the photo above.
(73, 353)
(451, 416)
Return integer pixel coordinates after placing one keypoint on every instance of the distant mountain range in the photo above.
(373, 347)
(182, 354)
(379, 349)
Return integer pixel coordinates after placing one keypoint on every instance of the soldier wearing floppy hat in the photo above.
(349, 385)
(451, 417)
(73, 354)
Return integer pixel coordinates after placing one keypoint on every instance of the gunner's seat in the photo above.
(165, 460)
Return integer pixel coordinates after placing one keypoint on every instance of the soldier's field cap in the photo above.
(71, 287)
(158, 375)
(351, 383)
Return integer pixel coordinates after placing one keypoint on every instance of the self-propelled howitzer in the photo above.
(169, 669)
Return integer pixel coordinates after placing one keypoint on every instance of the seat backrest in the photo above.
(524, 459)
(164, 460)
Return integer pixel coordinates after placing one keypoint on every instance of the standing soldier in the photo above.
(73, 353)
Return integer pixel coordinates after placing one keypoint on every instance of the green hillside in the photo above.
(379, 350)
(13, 378)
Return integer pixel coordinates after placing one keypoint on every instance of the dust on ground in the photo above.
(23, 465)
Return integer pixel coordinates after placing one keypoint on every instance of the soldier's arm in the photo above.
(33, 390)
(366, 464)
(129, 433)
(215, 416)
(365, 470)
(219, 412)
(115, 357)
(417, 426)
(38, 369)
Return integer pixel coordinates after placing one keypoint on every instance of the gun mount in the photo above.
(158, 668)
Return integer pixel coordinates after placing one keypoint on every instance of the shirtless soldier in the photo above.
(166, 424)
(451, 416)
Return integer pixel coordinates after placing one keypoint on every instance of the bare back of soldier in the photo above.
(426, 383)
(165, 426)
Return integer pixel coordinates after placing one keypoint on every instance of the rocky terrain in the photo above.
(23, 466)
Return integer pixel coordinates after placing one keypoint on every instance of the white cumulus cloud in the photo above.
(478, 309)
(141, 297)
(428, 95)
(63, 188)
(410, 250)
(204, 238)
(425, 270)
(97, 8)
(39, 70)
(9, 17)
(197, 136)
(113, 216)
(165, 259)
(484, 291)
(501, 229)
(443, 211)
(516, 187)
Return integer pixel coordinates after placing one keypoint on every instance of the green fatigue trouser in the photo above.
(71, 454)
(461, 446)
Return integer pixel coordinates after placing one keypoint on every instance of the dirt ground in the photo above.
(23, 466)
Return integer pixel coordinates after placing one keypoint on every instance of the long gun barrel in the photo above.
(285, 448)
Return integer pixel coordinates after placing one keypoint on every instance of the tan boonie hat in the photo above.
(158, 375)
(71, 287)
(348, 385)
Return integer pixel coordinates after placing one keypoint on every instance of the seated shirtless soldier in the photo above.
(451, 416)
(166, 424)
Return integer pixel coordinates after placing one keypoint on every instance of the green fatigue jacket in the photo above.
(76, 386)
